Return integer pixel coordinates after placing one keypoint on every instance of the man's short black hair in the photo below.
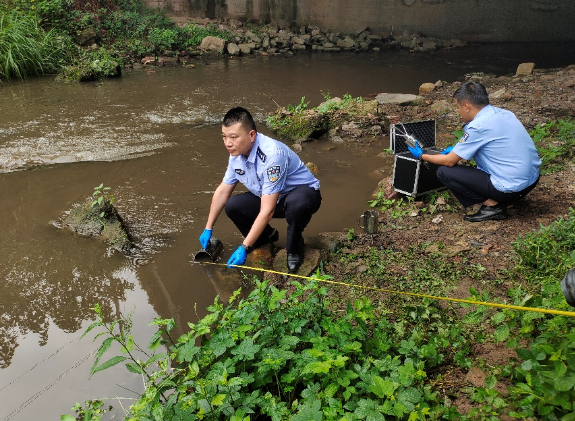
(239, 115)
(473, 92)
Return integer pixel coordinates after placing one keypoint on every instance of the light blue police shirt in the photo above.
(501, 147)
(270, 168)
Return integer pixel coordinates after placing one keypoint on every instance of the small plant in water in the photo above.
(101, 196)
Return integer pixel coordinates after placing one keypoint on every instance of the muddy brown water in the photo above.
(153, 136)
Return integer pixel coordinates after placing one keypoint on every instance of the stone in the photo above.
(568, 84)
(253, 37)
(86, 219)
(327, 241)
(297, 147)
(310, 261)
(347, 42)
(235, 24)
(312, 167)
(400, 99)
(525, 69)
(430, 45)
(213, 44)
(86, 37)
(497, 94)
(426, 87)
(233, 49)
(297, 41)
(441, 107)
(246, 48)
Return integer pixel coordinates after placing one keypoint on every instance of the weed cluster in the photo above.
(26, 49)
(555, 142)
(38, 37)
(431, 203)
(298, 122)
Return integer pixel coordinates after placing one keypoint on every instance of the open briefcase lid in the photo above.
(424, 131)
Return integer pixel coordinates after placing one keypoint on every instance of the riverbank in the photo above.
(425, 246)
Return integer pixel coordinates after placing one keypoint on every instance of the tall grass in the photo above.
(26, 49)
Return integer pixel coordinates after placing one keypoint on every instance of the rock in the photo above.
(297, 41)
(261, 257)
(233, 49)
(347, 42)
(438, 219)
(253, 37)
(568, 84)
(86, 37)
(327, 241)
(476, 377)
(525, 69)
(426, 87)
(85, 219)
(246, 48)
(399, 99)
(497, 94)
(312, 167)
(297, 147)
(310, 262)
(430, 45)
(441, 107)
(235, 24)
(213, 44)
(336, 139)
(351, 129)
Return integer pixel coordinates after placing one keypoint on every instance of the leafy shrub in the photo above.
(95, 65)
(26, 49)
(555, 142)
(287, 357)
(191, 35)
(551, 250)
(162, 39)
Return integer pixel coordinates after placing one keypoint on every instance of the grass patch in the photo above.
(26, 49)
(298, 122)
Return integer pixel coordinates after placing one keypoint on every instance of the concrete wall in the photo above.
(470, 20)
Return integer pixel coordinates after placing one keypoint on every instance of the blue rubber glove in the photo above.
(416, 151)
(238, 257)
(205, 238)
(446, 150)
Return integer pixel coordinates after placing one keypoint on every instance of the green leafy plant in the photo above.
(555, 142)
(162, 39)
(26, 49)
(93, 410)
(191, 35)
(287, 357)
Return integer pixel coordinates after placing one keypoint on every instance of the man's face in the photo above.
(238, 140)
(464, 109)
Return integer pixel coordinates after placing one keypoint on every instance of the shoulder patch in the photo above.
(240, 171)
(273, 173)
(261, 155)
(464, 137)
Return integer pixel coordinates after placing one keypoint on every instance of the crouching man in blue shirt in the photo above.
(279, 184)
(506, 157)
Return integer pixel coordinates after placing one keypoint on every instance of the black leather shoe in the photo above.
(294, 261)
(488, 213)
(274, 236)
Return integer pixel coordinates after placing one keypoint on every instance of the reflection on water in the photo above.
(58, 141)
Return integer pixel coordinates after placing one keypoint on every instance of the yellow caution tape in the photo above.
(413, 294)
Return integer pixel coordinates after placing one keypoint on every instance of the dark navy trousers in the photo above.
(296, 207)
(471, 186)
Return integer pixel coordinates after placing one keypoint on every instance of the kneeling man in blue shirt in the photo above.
(506, 157)
(279, 184)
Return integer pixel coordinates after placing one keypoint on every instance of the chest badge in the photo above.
(464, 137)
(261, 155)
(273, 173)
(240, 171)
